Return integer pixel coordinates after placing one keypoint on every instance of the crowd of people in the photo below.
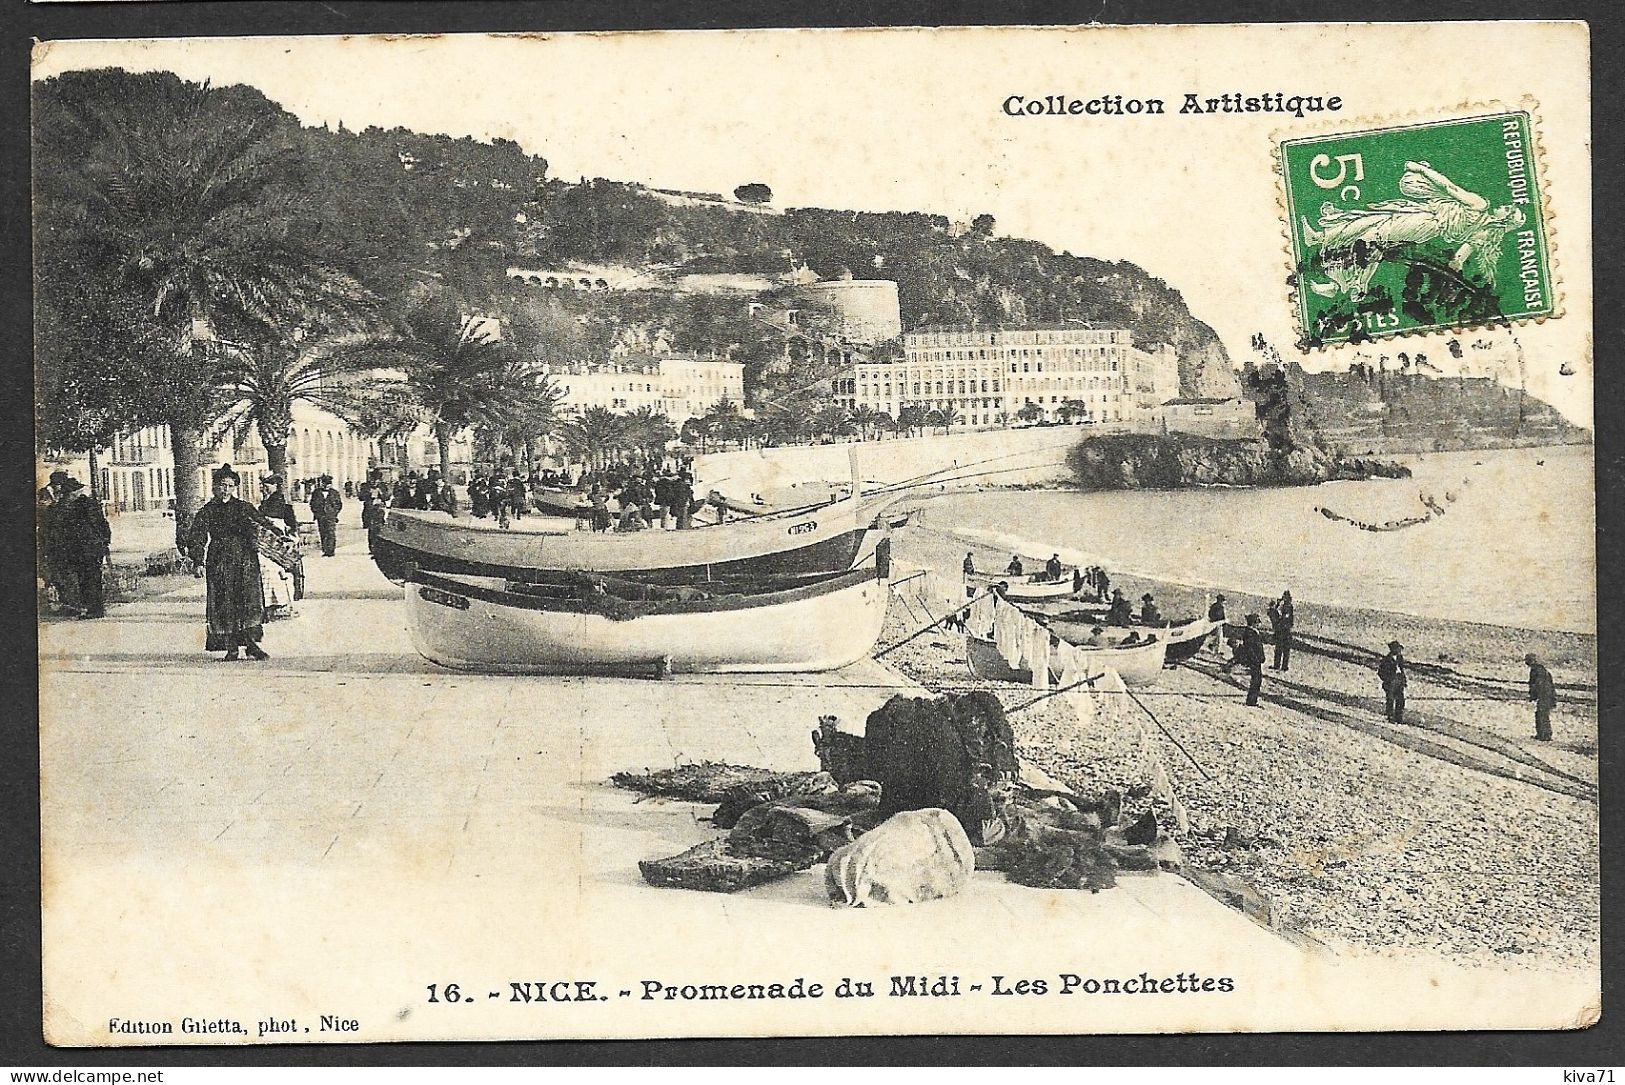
(72, 545)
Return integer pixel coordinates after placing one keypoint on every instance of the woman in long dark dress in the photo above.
(224, 539)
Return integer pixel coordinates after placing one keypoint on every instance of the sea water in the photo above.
(1516, 546)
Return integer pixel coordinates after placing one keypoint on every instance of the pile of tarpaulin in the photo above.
(905, 813)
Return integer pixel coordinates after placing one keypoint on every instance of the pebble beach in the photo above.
(1455, 835)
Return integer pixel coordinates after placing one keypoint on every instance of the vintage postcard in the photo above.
(783, 533)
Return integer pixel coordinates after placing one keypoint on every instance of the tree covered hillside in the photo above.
(409, 215)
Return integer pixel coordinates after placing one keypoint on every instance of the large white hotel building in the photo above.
(682, 385)
(985, 371)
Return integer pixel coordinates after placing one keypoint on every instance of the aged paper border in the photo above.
(310, 18)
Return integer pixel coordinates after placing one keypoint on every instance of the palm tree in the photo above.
(457, 373)
(594, 434)
(1030, 412)
(726, 420)
(832, 421)
(696, 431)
(910, 418)
(649, 430)
(948, 417)
(865, 418)
(883, 421)
(536, 416)
(184, 201)
(345, 373)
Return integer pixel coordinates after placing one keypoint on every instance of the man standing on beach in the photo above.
(1544, 693)
(1215, 614)
(1392, 673)
(1282, 615)
(1250, 654)
(969, 566)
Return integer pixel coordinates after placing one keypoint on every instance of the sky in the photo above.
(912, 120)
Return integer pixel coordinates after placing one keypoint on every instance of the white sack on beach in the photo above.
(912, 856)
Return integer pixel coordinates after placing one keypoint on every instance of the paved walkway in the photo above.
(332, 830)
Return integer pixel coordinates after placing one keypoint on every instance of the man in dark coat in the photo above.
(223, 539)
(1149, 612)
(82, 537)
(665, 490)
(1053, 568)
(374, 499)
(682, 492)
(1282, 615)
(479, 497)
(516, 498)
(445, 499)
(1250, 654)
(423, 493)
(1215, 613)
(1543, 691)
(1391, 671)
(325, 505)
(1120, 612)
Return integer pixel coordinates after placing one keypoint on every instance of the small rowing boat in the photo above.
(1021, 589)
(1185, 637)
(1136, 665)
(593, 624)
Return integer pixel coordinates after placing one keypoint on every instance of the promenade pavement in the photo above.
(335, 829)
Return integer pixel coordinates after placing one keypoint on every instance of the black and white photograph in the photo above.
(795, 533)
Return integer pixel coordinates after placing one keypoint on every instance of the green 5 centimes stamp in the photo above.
(1415, 228)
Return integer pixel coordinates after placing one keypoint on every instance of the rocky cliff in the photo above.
(1142, 461)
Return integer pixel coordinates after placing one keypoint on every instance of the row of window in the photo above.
(1102, 364)
(135, 491)
(928, 356)
(1066, 336)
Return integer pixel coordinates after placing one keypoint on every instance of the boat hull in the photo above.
(1184, 639)
(1021, 590)
(830, 538)
(1140, 665)
(459, 623)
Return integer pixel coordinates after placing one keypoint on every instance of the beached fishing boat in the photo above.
(590, 624)
(1031, 588)
(821, 538)
(1136, 665)
(1075, 626)
(554, 501)
(1184, 639)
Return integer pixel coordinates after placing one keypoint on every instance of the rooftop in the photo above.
(1067, 326)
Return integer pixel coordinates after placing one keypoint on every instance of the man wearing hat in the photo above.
(1120, 612)
(325, 505)
(1215, 614)
(1149, 613)
(79, 541)
(1392, 673)
(1282, 616)
(1250, 654)
(1544, 693)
